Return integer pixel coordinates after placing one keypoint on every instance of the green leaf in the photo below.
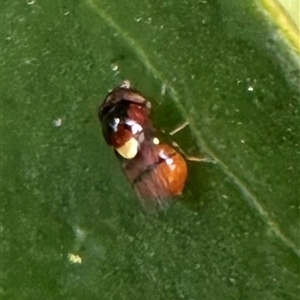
(234, 234)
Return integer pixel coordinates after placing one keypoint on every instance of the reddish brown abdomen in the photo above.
(155, 177)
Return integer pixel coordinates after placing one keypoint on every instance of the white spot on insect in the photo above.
(135, 127)
(57, 122)
(163, 155)
(74, 258)
(114, 126)
(169, 161)
(130, 122)
(155, 141)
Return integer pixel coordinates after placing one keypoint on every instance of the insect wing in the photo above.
(158, 173)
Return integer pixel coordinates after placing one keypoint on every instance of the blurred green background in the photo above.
(234, 234)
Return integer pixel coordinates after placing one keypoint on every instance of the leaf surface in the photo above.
(234, 234)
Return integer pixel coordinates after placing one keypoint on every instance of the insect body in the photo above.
(155, 169)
